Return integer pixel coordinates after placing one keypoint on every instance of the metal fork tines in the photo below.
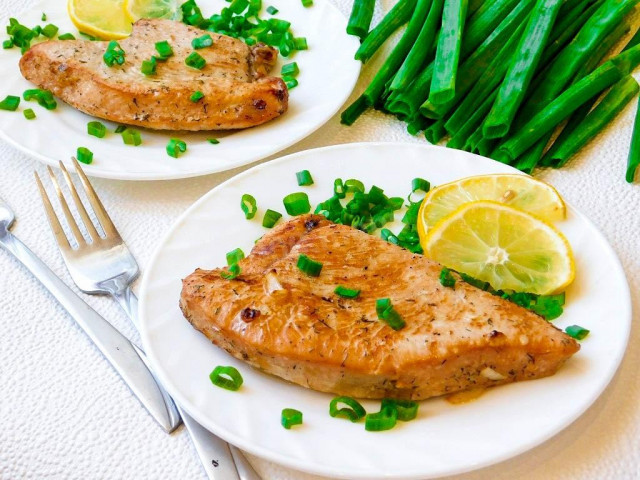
(102, 264)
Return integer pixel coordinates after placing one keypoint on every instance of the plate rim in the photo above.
(162, 176)
(274, 456)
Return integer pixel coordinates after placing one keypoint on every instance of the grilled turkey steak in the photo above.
(237, 91)
(284, 322)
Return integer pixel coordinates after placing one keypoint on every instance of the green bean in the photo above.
(569, 60)
(487, 83)
(474, 139)
(397, 16)
(610, 106)
(633, 161)
(473, 122)
(528, 162)
(523, 66)
(418, 124)
(563, 32)
(354, 110)
(635, 40)
(557, 110)
(360, 19)
(443, 84)
(475, 66)
(579, 115)
(420, 50)
(483, 23)
(435, 132)
(399, 53)
(474, 5)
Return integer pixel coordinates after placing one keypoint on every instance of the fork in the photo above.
(104, 265)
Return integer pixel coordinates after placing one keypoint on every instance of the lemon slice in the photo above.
(137, 9)
(509, 248)
(519, 191)
(103, 19)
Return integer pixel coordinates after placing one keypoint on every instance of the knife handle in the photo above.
(220, 460)
(116, 348)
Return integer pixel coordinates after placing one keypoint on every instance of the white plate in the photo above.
(445, 439)
(328, 74)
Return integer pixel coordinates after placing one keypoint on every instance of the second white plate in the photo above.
(445, 439)
(328, 74)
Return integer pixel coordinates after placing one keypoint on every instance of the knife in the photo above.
(123, 355)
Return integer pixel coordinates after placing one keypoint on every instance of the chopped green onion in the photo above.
(290, 82)
(37, 30)
(97, 129)
(419, 185)
(202, 42)
(120, 129)
(131, 137)
(346, 292)
(279, 26)
(270, 218)
(148, 67)
(304, 178)
(213, 141)
(308, 266)
(29, 114)
(290, 69)
(164, 49)
(446, 278)
(50, 31)
(577, 332)
(234, 256)
(114, 54)
(388, 314)
(196, 96)
(176, 147)
(84, 155)
(407, 409)
(338, 188)
(66, 36)
(353, 185)
(300, 43)
(195, 60)
(10, 103)
(234, 271)
(548, 306)
(307, 3)
(7, 44)
(272, 10)
(291, 417)
(385, 419)
(43, 17)
(228, 378)
(297, 203)
(249, 206)
(43, 97)
(353, 411)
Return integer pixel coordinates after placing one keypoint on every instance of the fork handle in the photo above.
(219, 460)
(117, 349)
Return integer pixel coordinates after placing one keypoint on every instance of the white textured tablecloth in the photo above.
(64, 413)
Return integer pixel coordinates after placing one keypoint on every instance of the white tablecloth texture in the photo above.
(64, 413)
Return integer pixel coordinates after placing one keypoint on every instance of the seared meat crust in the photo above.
(286, 323)
(237, 92)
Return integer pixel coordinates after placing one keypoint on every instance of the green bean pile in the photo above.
(499, 77)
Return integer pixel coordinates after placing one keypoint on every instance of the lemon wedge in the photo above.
(104, 19)
(137, 9)
(507, 247)
(519, 191)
